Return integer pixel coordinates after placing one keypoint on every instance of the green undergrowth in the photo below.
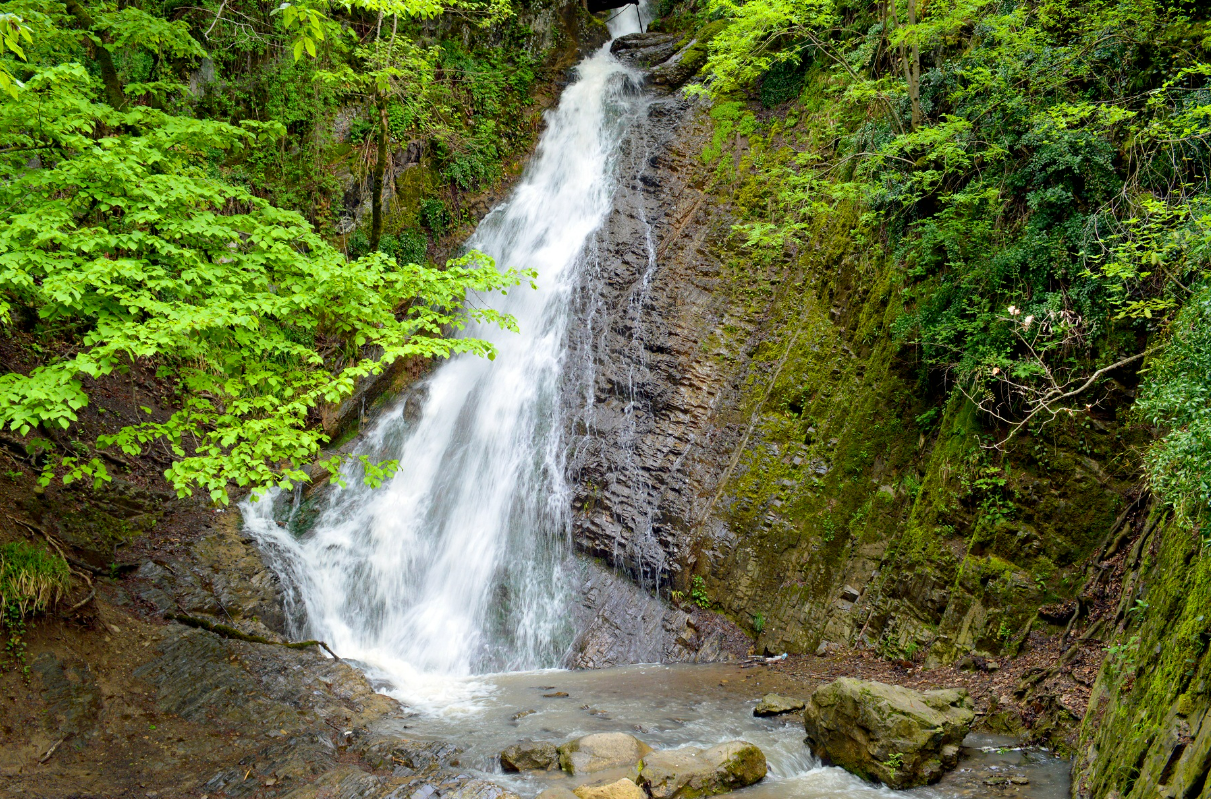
(195, 172)
(31, 581)
(469, 110)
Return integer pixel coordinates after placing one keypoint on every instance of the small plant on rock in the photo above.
(698, 593)
(31, 580)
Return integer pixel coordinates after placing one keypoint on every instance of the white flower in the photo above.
(1014, 310)
(1027, 321)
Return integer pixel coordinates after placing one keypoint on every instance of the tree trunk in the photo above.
(910, 61)
(105, 62)
(380, 168)
(914, 80)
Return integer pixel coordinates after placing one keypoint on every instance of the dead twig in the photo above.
(91, 595)
(42, 760)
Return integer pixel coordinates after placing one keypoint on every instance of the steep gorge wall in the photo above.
(1147, 732)
(754, 429)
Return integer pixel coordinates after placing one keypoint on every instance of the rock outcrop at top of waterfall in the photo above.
(897, 736)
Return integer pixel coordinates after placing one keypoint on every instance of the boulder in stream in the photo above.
(623, 789)
(557, 792)
(601, 751)
(897, 736)
(776, 705)
(530, 756)
(690, 772)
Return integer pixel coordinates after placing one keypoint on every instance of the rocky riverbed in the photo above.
(122, 701)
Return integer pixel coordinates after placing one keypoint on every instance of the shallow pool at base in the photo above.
(685, 705)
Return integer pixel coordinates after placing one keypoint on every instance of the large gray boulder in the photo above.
(601, 751)
(691, 772)
(646, 49)
(529, 756)
(897, 736)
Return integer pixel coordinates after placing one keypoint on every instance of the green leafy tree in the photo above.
(12, 31)
(123, 240)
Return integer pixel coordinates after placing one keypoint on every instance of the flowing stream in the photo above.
(451, 585)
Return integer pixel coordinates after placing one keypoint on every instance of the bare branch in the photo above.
(1056, 395)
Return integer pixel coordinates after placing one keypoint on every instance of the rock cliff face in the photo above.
(643, 439)
(743, 421)
(1147, 732)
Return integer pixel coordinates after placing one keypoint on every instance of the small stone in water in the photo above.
(521, 714)
(555, 695)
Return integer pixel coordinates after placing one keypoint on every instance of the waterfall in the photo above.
(456, 566)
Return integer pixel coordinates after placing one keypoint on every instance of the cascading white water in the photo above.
(455, 567)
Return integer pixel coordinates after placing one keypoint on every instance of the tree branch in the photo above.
(1048, 399)
(231, 632)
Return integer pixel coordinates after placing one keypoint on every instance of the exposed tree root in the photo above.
(231, 632)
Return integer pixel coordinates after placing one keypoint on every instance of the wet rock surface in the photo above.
(691, 772)
(621, 623)
(777, 705)
(685, 63)
(897, 736)
(530, 756)
(642, 443)
(601, 751)
(221, 576)
(172, 710)
(646, 49)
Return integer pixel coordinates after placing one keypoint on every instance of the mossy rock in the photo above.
(691, 58)
(690, 772)
(887, 733)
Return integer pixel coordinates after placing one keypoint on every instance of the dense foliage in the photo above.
(1039, 173)
(129, 237)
